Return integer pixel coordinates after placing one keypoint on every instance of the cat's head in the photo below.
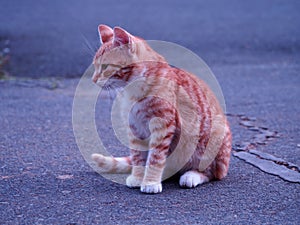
(119, 49)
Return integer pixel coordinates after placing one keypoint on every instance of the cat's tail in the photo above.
(109, 164)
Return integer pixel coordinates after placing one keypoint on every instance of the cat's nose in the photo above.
(95, 78)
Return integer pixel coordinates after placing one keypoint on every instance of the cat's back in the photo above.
(166, 81)
(199, 92)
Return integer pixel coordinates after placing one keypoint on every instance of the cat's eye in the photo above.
(104, 66)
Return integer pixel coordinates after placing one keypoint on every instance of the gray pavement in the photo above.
(252, 48)
(45, 180)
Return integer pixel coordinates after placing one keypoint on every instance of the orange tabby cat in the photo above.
(154, 120)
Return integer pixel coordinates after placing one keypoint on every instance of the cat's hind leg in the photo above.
(193, 178)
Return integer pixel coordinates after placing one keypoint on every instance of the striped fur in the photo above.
(155, 120)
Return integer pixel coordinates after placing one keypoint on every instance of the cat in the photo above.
(154, 123)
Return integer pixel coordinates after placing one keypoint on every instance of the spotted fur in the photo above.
(154, 123)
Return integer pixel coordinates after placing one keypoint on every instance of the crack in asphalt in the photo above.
(278, 161)
(264, 161)
(269, 166)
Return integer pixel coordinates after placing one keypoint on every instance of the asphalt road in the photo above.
(45, 180)
(252, 48)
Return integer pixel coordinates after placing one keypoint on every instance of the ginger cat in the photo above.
(154, 120)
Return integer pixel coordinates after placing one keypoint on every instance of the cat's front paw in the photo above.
(151, 188)
(192, 179)
(133, 182)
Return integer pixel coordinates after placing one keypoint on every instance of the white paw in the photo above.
(133, 182)
(151, 188)
(192, 179)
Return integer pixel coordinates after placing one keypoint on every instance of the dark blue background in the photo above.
(47, 38)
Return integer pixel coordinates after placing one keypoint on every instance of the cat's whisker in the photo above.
(86, 50)
(88, 47)
(106, 90)
(109, 90)
(111, 97)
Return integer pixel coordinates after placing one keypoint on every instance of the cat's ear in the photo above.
(121, 37)
(105, 33)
